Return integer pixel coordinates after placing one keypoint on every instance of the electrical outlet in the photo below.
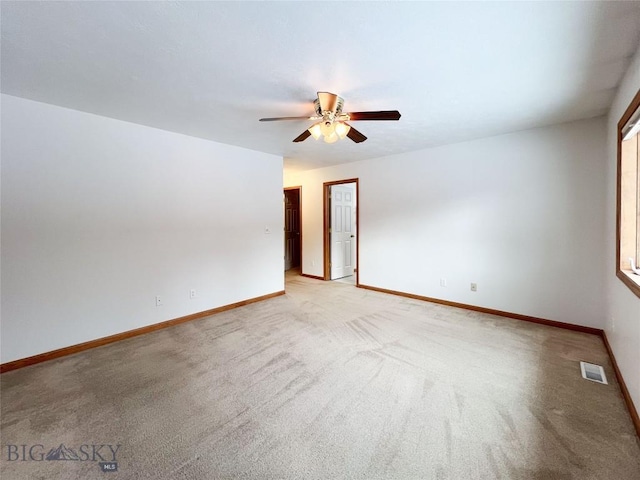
(192, 293)
(158, 301)
(474, 287)
(443, 282)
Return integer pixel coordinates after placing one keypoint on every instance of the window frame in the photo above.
(631, 280)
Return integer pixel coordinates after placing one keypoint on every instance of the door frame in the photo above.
(299, 188)
(326, 210)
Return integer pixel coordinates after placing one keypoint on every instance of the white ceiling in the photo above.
(456, 71)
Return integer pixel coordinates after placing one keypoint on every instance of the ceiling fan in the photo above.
(332, 124)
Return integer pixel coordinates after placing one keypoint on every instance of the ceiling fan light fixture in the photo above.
(315, 131)
(327, 128)
(333, 138)
(342, 129)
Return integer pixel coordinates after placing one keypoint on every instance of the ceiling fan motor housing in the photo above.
(328, 104)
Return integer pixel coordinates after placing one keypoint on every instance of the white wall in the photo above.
(522, 215)
(99, 216)
(623, 325)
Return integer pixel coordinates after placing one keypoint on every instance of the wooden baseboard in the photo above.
(62, 352)
(491, 311)
(623, 386)
(311, 276)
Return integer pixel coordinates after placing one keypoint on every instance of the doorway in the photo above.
(341, 235)
(292, 228)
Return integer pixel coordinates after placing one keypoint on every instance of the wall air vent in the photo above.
(593, 372)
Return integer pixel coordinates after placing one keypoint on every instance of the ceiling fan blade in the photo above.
(275, 119)
(303, 136)
(381, 115)
(355, 135)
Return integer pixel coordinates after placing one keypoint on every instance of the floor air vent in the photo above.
(593, 372)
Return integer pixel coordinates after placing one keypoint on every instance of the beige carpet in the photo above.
(327, 382)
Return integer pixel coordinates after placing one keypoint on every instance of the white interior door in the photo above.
(343, 233)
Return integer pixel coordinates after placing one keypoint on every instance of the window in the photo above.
(628, 198)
